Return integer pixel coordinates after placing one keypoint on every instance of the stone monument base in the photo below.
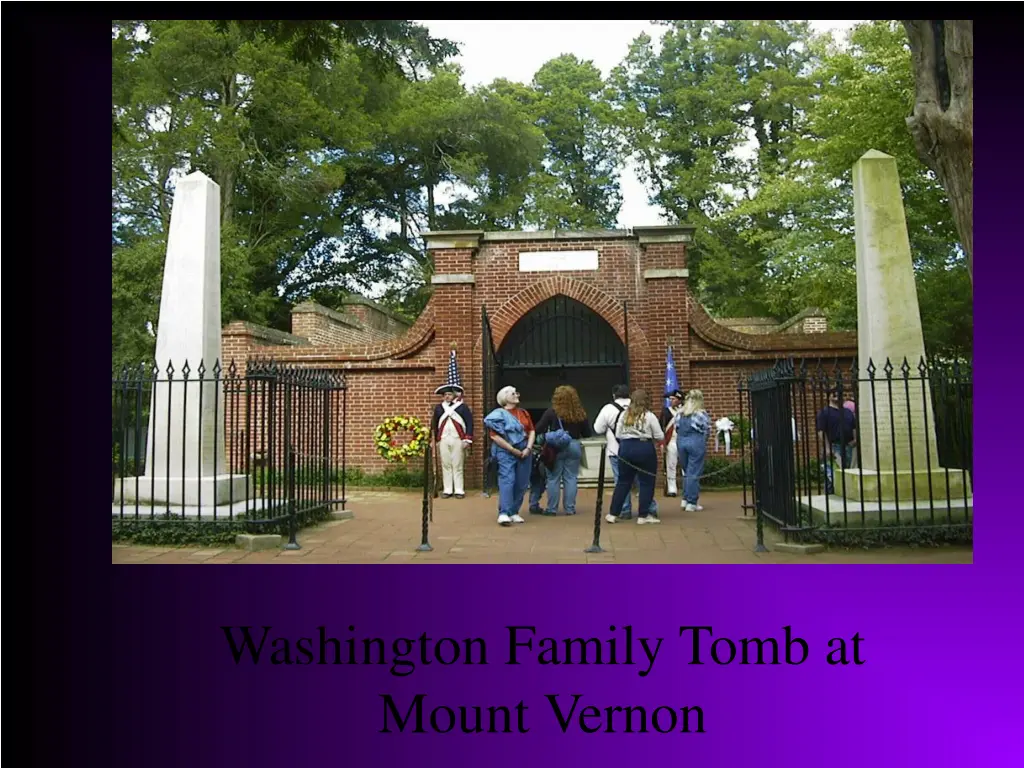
(868, 513)
(938, 484)
(255, 509)
(188, 491)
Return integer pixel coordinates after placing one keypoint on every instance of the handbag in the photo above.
(558, 438)
(548, 454)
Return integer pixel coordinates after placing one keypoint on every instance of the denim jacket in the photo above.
(508, 426)
(698, 422)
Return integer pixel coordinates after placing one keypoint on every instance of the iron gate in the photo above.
(775, 468)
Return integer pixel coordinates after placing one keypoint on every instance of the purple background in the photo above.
(131, 660)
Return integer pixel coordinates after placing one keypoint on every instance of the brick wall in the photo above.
(375, 317)
(645, 268)
(325, 327)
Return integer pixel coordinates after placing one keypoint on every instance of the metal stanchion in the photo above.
(596, 546)
(290, 485)
(760, 547)
(427, 482)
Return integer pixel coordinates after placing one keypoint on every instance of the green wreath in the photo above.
(385, 437)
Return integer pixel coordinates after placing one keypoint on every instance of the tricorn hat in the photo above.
(676, 393)
(453, 384)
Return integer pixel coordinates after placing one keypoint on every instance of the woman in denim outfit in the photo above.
(692, 428)
(512, 436)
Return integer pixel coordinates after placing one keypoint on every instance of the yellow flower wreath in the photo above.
(384, 437)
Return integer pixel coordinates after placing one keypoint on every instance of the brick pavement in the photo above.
(387, 528)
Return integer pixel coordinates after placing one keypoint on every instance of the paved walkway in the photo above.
(386, 528)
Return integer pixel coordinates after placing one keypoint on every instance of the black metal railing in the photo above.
(889, 445)
(264, 447)
(491, 373)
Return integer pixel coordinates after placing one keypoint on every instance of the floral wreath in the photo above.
(384, 437)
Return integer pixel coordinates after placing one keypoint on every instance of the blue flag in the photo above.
(671, 379)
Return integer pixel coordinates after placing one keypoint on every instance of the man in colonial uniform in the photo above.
(453, 430)
(668, 424)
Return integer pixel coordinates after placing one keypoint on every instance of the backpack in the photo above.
(558, 438)
(615, 424)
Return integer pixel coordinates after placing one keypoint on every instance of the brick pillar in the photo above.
(456, 324)
(665, 314)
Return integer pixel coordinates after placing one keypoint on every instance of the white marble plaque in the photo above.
(557, 261)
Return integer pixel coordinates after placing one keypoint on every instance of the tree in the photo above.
(862, 94)
(942, 122)
(578, 188)
(687, 110)
(292, 122)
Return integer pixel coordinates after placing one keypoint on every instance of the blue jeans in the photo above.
(627, 506)
(840, 456)
(641, 468)
(513, 480)
(692, 449)
(566, 470)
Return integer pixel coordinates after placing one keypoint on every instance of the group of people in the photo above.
(545, 458)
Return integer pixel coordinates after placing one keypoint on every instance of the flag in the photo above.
(453, 371)
(671, 379)
(454, 380)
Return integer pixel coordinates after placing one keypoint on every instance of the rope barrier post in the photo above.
(596, 546)
(759, 546)
(290, 486)
(427, 482)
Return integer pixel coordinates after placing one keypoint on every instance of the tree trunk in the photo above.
(226, 172)
(942, 123)
(431, 207)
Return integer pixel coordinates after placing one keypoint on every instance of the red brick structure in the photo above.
(622, 294)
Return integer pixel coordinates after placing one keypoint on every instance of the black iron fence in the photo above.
(264, 447)
(889, 445)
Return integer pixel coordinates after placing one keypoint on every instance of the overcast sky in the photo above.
(515, 50)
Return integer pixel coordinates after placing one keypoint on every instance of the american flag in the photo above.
(671, 379)
(453, 371)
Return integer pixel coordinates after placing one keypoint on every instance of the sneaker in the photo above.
(517, 519)
(535, 511)
(460, 495)
(504, 520)
(649, 520)
(611, 518)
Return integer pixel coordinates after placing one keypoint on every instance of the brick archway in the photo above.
(609, 309)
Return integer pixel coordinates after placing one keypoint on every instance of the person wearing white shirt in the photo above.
(636, 433)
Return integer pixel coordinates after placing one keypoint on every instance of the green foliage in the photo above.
(337, 143)
(578, 188)
(181, 532)
(721, 472)
(862, 95)
(894, 534)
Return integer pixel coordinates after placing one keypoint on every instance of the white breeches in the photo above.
(451, 450)
(672, 464)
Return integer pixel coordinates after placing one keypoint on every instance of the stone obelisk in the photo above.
(186, 463)
(889, 329)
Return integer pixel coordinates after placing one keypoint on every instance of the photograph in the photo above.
(537, 292)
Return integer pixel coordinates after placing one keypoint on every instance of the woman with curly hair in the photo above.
(563, 425)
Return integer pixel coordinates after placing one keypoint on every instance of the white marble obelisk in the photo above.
(186, 463)
(889, 328)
